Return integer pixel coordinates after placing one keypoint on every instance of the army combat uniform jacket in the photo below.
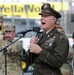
(13, 58)
(55, 49)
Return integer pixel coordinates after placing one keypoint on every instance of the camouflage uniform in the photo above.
(66, 68)
(14, 53)
(1, 41)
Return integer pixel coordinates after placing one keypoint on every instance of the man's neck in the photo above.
(49, 30)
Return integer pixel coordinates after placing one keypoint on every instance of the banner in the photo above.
(28, 10)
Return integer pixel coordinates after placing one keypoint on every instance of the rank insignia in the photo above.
(50, 44)
(50, 40)
(63, 38)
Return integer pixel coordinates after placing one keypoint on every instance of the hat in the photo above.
(9, 28)
(47, 9)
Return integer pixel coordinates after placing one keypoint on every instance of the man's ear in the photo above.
(54, 19)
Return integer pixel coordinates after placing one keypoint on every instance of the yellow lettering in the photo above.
(7, 9)
(31, 10)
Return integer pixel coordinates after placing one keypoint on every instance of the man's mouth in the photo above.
(43, 23)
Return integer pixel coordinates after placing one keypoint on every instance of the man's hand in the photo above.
(34, 40)
(34, 48)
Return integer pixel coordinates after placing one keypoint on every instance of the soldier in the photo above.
(66, 68)
(1, 38)
(14, 52)
(49, 49)
(1, 41)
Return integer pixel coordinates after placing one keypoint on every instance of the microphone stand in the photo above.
(5, 51)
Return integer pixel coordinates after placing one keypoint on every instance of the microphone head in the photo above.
(36, 29)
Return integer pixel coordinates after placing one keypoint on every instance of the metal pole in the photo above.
(61, 5)
(64, 18)
(62, 22)
(27, 19)
(12, 14)
(65, 22)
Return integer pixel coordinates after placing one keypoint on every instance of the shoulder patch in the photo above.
(63, 38)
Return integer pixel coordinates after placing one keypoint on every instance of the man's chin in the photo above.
(43, 27)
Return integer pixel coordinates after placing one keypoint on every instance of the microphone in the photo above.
(35, 29)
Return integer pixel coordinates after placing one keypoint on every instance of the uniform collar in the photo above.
(49, 31)
(47, 36)
(52, 32)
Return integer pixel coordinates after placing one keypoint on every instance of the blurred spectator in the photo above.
(66, 68)
(59, 28)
